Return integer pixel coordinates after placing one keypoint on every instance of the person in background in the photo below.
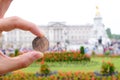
(8, 64)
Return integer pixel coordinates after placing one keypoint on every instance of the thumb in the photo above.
(22, 61)
(28, 58)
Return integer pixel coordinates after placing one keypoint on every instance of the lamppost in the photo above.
(66, 42)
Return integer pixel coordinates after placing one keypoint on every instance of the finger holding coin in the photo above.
(40, 44)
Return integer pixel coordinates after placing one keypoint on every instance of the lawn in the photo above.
(93, 65)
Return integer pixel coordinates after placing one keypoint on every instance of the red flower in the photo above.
(42, 62)
(93, 78)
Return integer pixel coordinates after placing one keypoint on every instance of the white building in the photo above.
(60, 32)
(17, 38)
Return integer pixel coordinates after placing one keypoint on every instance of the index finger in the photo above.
(29, 26)
(11, 23)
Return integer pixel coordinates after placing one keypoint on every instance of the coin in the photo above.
(40, 44)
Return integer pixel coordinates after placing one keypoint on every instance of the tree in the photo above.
(108, 30)
(116, 36)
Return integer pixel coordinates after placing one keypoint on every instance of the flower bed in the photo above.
(60, 76)
(65, 56)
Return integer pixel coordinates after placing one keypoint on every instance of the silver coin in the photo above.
(40, 44)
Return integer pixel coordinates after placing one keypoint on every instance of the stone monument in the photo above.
(100, 49)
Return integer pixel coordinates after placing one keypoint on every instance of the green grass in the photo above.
(93, 65)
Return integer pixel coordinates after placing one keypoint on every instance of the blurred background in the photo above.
(68, 24)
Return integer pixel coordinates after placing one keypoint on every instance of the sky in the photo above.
(72, 12)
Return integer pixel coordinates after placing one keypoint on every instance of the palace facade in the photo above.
(59, 32)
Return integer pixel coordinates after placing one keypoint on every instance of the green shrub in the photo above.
(93, 53)
(107, 53)
(44, 69)
(16, 52)
(107, 67)
(111, 68)
(104, 68)
(82, 51)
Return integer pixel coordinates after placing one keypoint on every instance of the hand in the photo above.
(4, 4)
(8, 64)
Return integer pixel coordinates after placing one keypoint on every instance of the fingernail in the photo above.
(37, 55)
(42, 35)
